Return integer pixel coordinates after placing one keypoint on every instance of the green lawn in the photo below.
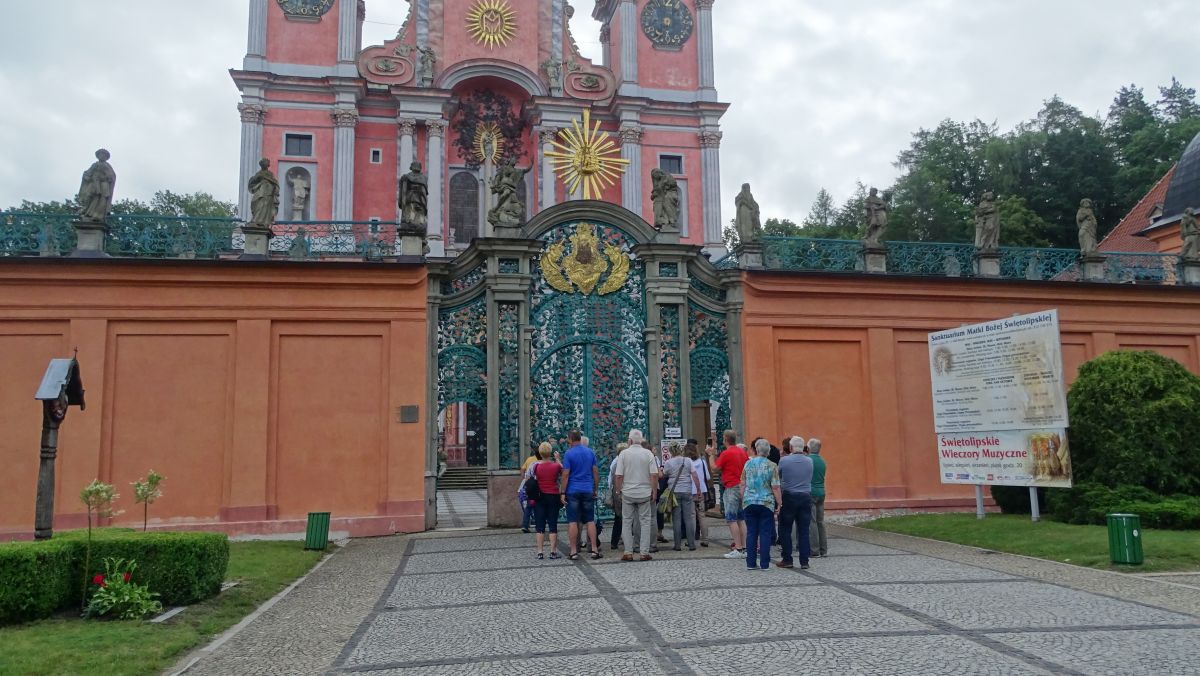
(1080, 545)
(68, 645)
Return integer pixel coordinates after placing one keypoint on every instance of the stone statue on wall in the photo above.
(1085, 218)
(425, 70)
(414, 197)
(510, 207)
(264, 195)
(300, 187)
(665, 194)
(554, 75)
(987, 224)
(877, 218)
(96, 189)
(1190, 233)
(747, 222)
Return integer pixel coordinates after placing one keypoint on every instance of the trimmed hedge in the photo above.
(1015, 499)
(1091, 503)
(43, 577)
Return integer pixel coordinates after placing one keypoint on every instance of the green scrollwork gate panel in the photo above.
(508, 348)
(708, 358)
(462, 355)
(588, 315)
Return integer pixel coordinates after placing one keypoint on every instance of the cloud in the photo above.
(822, 92)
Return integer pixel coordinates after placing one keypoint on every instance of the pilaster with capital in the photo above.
(406, 128)
(436, 133)
(705, 46)
(253, 115)
(345, 120)
(710, 181)
(548, 191)
(631, 180)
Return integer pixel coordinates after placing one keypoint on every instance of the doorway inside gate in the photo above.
(462, 455)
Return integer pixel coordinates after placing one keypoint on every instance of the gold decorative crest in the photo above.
(587, 157)
(492, 22)
(489, 142)
(585, 265)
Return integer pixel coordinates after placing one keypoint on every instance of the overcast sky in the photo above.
(823, 92)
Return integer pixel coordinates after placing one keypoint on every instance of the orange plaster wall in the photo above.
(845, 359)
(261, 391)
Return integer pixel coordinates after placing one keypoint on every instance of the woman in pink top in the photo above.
(545, 512)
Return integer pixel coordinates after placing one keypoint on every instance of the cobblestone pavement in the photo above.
(462, 509)
(481, 603)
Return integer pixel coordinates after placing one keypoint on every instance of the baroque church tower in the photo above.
(466, 85)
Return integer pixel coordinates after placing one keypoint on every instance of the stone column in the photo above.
(347, 31)
(630, 34)
(707, 68)
(405, 129)
(253, 116)
(436, 130)
(987, 263)
(1094, 267)
(256, 35)
(548, 192)
(631, 180)
(345, 120)
(874, 258)
(710, 182)
(1191, 271)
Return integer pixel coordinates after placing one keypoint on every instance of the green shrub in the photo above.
(1174, 513)
(1134, 422)
(1015, 499)
(118, 595)
(38, 578)
(1090, 503)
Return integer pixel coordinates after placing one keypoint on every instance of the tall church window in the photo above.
(464, 207)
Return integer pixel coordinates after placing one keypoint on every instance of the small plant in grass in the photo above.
(116, 595)
(145, 493)
(98, 498)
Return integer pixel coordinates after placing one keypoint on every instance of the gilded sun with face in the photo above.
(492, 23)
(586, 157)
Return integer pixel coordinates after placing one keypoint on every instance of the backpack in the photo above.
(533, 492)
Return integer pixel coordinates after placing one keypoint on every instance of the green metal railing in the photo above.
(1143, 268)
(371, 240)
(150, 236)
(939, 259)
(1060, 265)
(794, 253)
(24, 234)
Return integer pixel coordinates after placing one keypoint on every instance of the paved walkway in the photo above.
(462, 509)
(480, 603)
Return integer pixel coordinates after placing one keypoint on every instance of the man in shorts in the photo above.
(581, 476)
(729, 466)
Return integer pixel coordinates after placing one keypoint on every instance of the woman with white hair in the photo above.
(760, 499)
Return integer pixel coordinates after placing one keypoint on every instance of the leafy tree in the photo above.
(1021, 225)
(777, 227)
(850, 218)
(98, 498)
(164, 203)
(1177, 103)
(145, 493)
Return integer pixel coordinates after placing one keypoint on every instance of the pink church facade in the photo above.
(341, 121)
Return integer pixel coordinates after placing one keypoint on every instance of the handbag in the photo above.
(667, 500)
(533, 492)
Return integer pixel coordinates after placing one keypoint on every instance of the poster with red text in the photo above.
(1006, 458)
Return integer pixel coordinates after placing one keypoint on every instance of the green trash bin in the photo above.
(1125, 539)
(317, 536)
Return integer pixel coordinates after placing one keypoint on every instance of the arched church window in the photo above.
(464, 207)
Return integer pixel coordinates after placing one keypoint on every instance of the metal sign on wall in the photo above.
(999, 402)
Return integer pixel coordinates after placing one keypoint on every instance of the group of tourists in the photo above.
(769, 495)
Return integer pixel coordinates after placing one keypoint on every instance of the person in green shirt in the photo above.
(820, 545)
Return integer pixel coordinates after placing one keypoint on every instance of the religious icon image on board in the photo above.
(943, 361)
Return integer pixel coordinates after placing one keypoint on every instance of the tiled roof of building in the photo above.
(1124, 236)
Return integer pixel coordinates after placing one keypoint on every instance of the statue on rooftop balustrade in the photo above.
(96, 189)
(665, 194)
(877, 218)
(264, 195)
(1085, 218)
(414, 198)
(748, 222)
(1190, 233)
(987, 224)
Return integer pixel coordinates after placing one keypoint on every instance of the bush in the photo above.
(1015, 499)
(1134, 422)
(117, 595)
(38, 578)
(1090, 503)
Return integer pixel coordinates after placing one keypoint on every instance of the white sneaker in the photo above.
(735, 554)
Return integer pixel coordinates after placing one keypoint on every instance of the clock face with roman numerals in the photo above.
(667, 23)
(305, 8)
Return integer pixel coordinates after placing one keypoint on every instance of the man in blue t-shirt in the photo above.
(581, 478)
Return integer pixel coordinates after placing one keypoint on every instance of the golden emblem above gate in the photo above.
(585, 265)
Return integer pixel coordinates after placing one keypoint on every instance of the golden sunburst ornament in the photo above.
(587, 156)
(489, 142)
(492, 23)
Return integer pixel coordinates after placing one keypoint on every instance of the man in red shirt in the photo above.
(729, 465)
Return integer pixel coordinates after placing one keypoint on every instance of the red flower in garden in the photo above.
(99, 579)
(127, 577)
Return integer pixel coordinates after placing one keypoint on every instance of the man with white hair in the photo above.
(818, 542)
(636, 481)
(795, 478)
